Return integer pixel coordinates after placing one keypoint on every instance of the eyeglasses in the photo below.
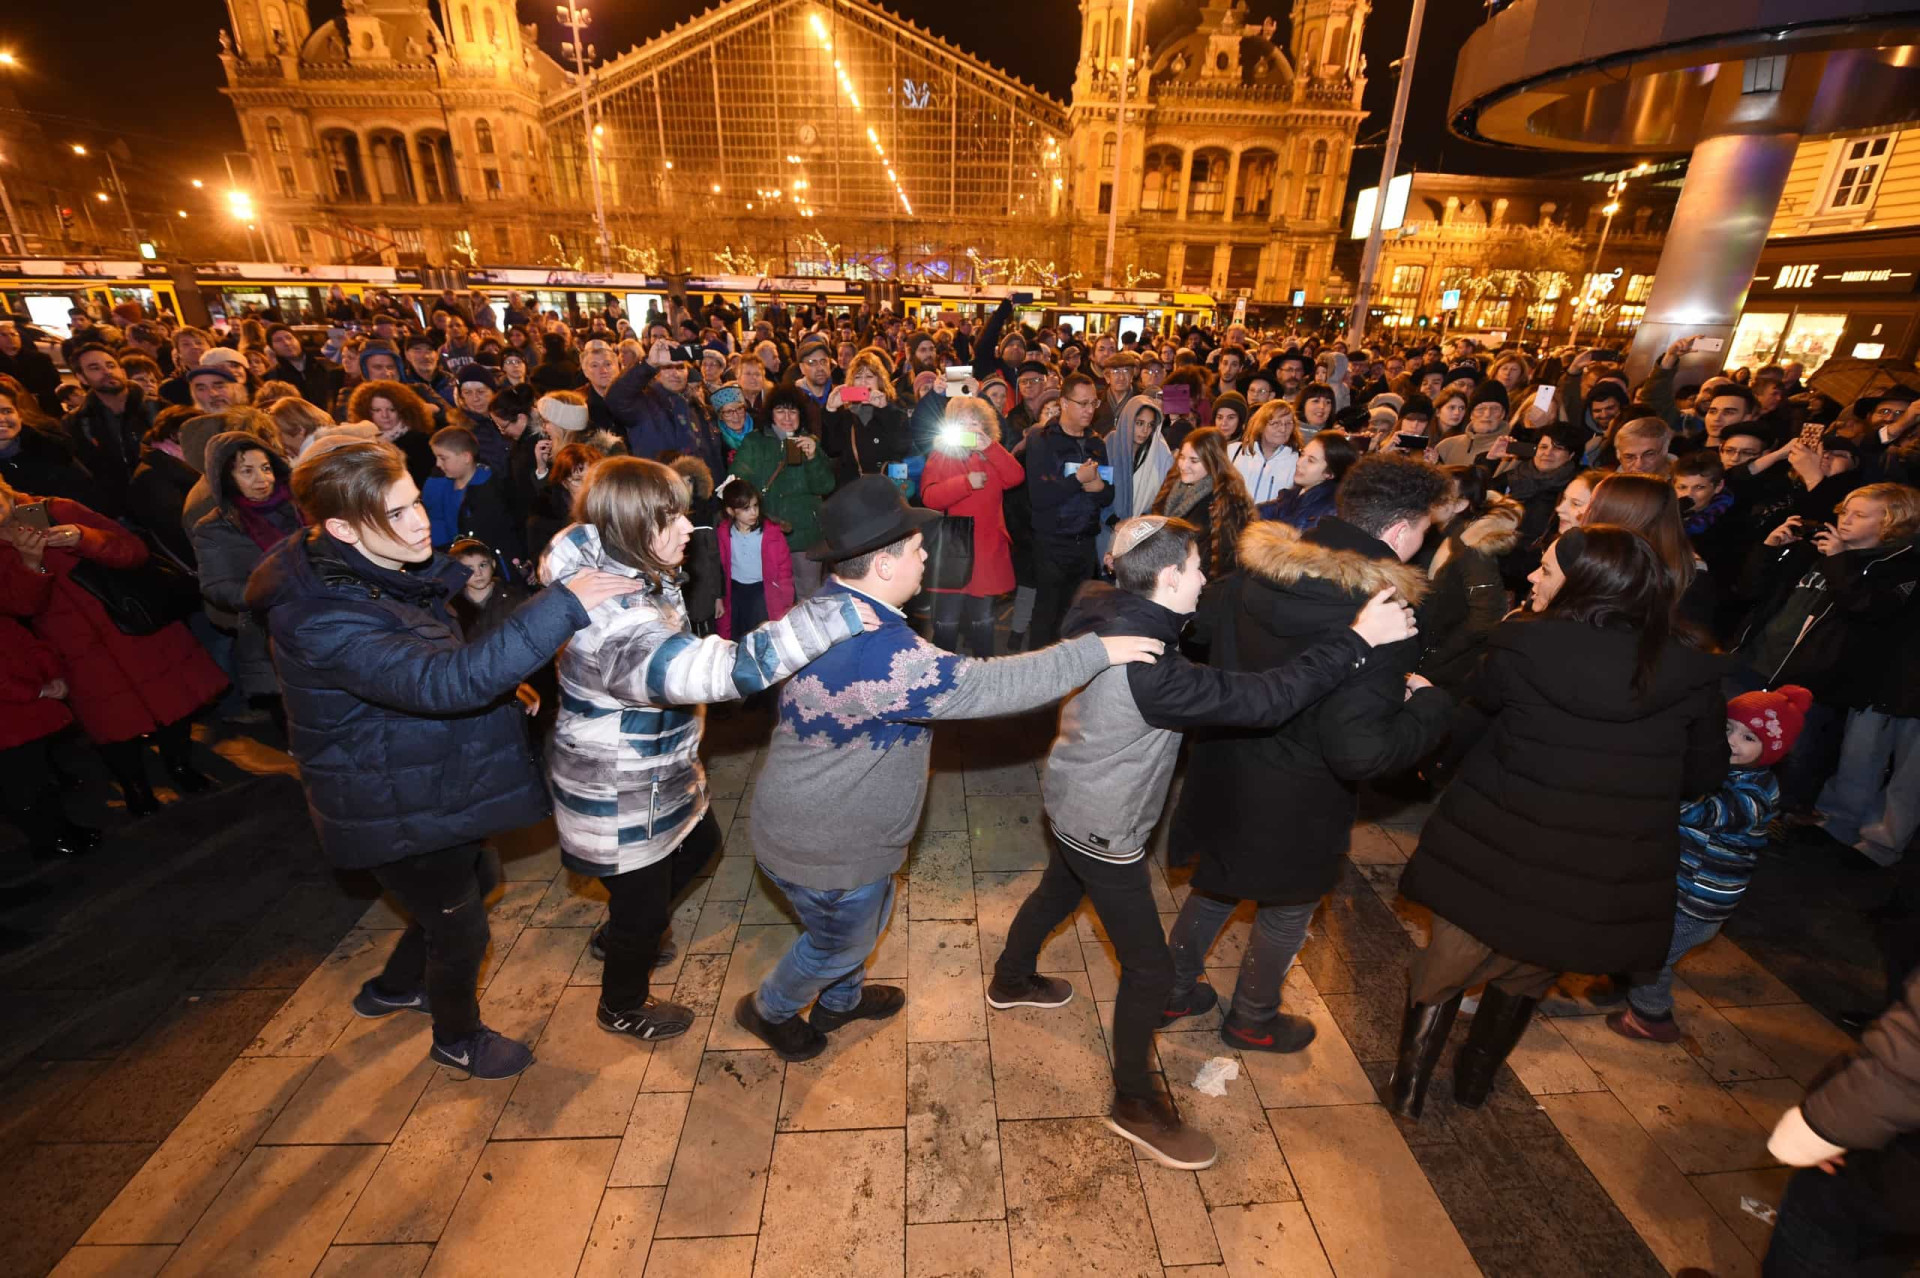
(1080, 403)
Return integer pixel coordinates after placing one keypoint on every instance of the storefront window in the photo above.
(1812, 338)
(1756, 339)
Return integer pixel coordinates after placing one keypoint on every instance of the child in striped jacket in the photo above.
(1721, 835)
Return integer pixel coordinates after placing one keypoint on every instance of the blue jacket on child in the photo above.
(1721, 836)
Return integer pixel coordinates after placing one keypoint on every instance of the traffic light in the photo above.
(1423, 321)
(66, 221)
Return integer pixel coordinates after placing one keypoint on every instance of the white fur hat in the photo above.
(562, 414)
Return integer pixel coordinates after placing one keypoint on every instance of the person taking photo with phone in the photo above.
(793, 476)
(966, 477)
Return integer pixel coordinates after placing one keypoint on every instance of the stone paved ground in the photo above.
(229, 1114)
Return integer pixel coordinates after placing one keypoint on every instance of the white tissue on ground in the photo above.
(1214, 1076)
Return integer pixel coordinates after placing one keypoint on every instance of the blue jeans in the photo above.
(828, 962)
(1872, 800)
(1654, 1000)
(1278, 933)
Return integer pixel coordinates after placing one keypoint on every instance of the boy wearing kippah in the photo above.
(1721, 835)
(1106, 783)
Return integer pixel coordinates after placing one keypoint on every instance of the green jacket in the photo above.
(794, 494)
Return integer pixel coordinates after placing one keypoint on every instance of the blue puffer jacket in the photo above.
(408, 738)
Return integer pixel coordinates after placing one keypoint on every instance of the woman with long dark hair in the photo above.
(1555, 848)
(1316, 475)
(1646, 504)
(1204, 489)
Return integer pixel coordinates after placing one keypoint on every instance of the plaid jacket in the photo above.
(624, 760)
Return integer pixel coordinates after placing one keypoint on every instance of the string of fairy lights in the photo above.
(853, 98)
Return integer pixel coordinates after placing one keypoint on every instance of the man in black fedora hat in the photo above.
(846, 775)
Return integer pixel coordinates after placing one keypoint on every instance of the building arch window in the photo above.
(1253, 194)
(1317, 161)
(483, 137)
(493, 29)
(1160, 181)
(1310, 204)
(276, 137)
(1108, 145)
(1098, 51)
(1207, 182)
(466, 22)
(1337, 44)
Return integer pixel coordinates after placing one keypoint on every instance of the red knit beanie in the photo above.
(1775, 718)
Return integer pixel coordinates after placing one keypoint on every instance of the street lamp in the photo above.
(1612, 206)
(6, 203)
(240, 205)
(1119, 145)
(575, 18)
(113, 171)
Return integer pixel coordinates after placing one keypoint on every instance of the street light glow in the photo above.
(7, 58)
(100, 196)
(198, 184)
(78, 149)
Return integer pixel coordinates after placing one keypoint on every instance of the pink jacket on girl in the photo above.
(776, 571)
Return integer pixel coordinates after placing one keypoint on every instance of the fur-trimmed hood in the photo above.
(1493, 532)
(1330, 554)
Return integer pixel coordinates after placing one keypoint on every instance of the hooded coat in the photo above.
(1137, 480)
(227, 555)
(1268, 814)
(1468, 597)
(1558, 841)
(409, 740)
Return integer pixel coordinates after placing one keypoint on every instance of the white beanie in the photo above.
(562, 414)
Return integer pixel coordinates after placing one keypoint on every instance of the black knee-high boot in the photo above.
(176, 752)
(127, 761)
(1423, 1037)
(1497, 1025)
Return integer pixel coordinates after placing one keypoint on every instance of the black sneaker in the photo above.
(1034, 991)
(1199, 1002)
(877, 1003)
(1283, 1033)
(597, 946)
(794, 1039)
(371, 1004)
(653, 1020)
(483, 1054)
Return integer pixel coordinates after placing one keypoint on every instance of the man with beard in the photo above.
(107, 427)
(316, 377)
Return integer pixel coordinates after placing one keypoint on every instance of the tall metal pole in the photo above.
(1370, 260)
(1573, 338)
(113, 171)
(575, 17)
(1120, 147)
(13, 223)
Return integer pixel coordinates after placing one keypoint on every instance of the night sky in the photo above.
(149, 71)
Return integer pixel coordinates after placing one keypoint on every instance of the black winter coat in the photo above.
(1468, 597)
(1558, 840)
(227, 555)
(108, 445)
(44, 466)
(1268, 814)
(35, 370)
(408, 739)
(157, 499)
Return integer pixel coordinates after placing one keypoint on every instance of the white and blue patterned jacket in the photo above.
(624, 760)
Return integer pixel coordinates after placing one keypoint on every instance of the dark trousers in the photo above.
(445, 893)
(1455, 961)
(1861, 1222)
(1122, 896)
(749, 607)
(639, 907)
(957, 615)
(1058, 569)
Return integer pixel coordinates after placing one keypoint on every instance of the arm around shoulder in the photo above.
(1008, 685)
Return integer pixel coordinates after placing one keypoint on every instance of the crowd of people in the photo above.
(1624, 634)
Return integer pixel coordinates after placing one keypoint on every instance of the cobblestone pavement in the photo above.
(204, 1101)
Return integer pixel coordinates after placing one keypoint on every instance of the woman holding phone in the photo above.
(966, 475)
(864, 432)
(793, 475)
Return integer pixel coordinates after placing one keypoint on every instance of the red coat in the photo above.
(31, 665)
(776, 572)
(121, 686)
(944, 486)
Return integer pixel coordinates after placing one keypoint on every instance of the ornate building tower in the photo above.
(1234, 152)
(382, 136)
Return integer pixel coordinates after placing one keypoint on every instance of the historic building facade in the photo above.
(803, 137)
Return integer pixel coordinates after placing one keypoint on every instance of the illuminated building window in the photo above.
(483, 137)
(491, 178)
(1856, 175)
(1407, 280)
(1639, 288)
(1160, 181)
(1253, 193)
(1208, 185)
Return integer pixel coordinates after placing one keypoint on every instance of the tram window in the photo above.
(50, 311)
(1131, 324)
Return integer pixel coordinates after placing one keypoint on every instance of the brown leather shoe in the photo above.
(1154, 1126)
